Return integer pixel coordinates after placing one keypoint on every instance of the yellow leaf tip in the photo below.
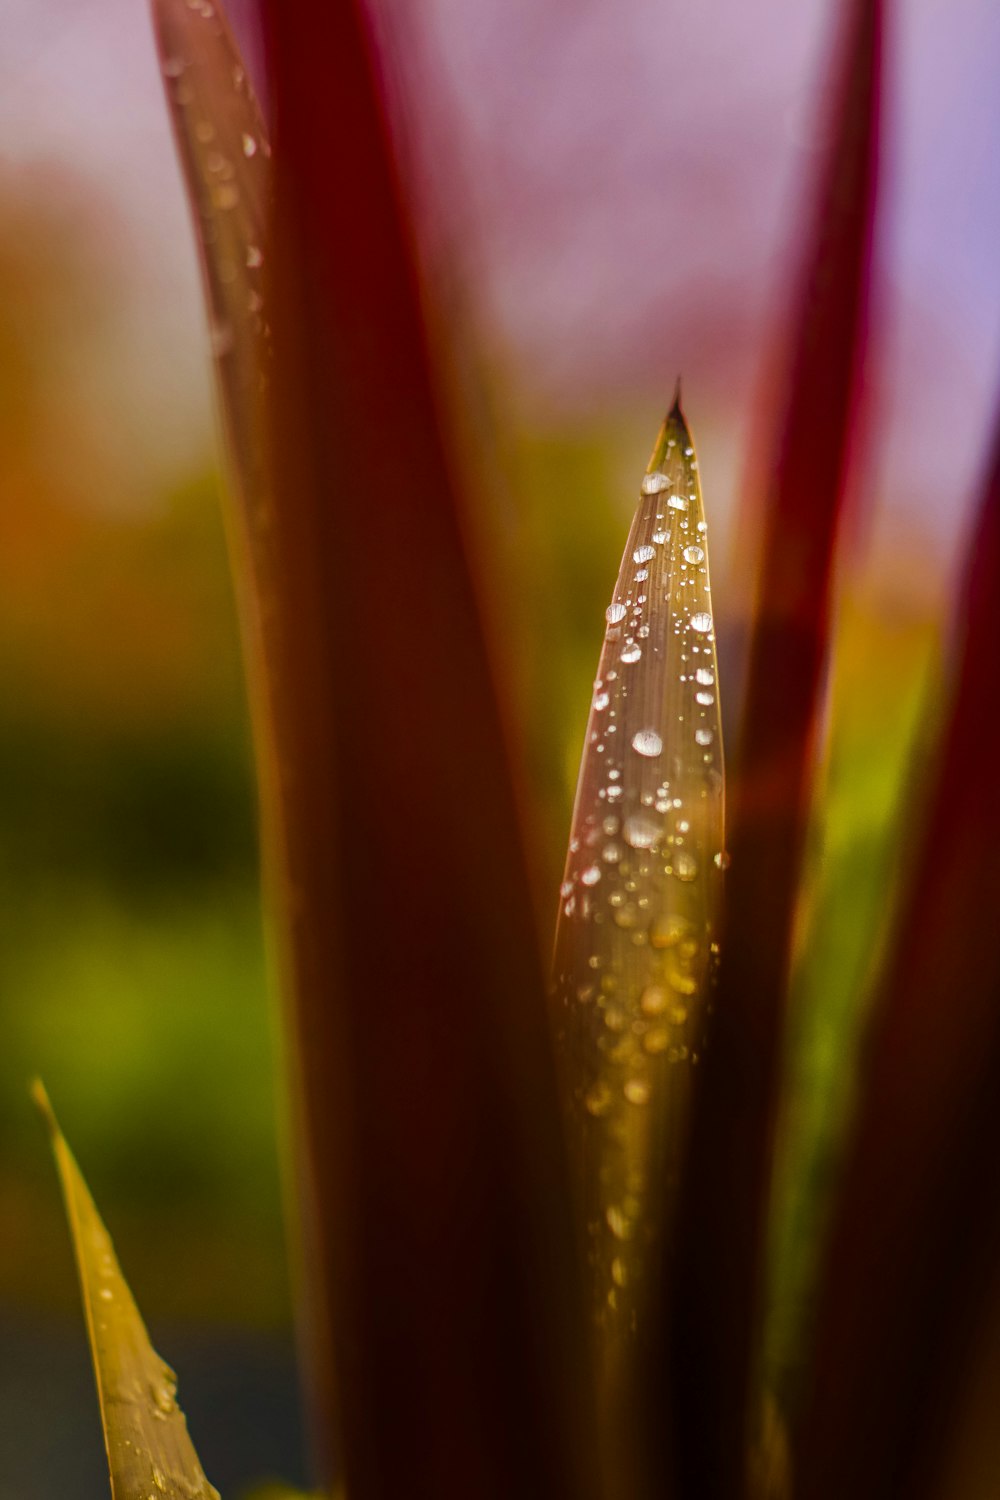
(39, 1094)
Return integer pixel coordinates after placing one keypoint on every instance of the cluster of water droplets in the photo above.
(635, 943)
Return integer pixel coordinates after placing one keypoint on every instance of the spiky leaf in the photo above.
(639, 901)
(150, 1454)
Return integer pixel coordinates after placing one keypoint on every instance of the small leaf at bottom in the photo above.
(150, 1455)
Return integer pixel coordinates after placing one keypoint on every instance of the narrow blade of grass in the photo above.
(916, 1236)
(717, 1277)
(636, 929)
(446, 1305)
(150, 1454)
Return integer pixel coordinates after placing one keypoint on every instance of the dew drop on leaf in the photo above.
(647, 742)
(642, 831)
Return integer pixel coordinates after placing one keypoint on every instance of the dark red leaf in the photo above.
(916, 1235)
(447, 1314)
(716, 1277)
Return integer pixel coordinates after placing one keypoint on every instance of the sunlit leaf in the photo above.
(714, 1320)
(916, 1237)
(150, 1455)
(635, 938)
(638, 906)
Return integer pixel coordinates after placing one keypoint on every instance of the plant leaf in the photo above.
(225, 156)
(638, 907)
(446, 1302)
(916, 1235)
(150, 1455)
(716, 1281)
(636, 929)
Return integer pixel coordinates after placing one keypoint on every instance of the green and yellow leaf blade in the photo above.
(150, 1453)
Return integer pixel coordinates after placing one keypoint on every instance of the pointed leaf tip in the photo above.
(150, 1455)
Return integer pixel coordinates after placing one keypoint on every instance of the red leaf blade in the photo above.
(716, 1279)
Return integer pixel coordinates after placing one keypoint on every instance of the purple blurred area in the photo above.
(617, 185)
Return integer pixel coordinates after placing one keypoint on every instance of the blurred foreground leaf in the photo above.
(145, 1433)
(714, 1318)
(442, 1300)
(915, 1240)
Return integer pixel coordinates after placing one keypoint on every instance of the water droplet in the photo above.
(703, 736)
(158, 1479)
(704, 698)
(611, 853)
(615, 613)
(601, 701)
(678, 502)
(637, 1091)
(722, 859)
(249, 145)
(702, 622)
(688, 452)
(619, 1274)
(598, 1099)
(614, 792)
(631, 653)
(610, 825)
(590, 876)
(566, 889)
(653, 999)
(642, 831)
(618, 1223)
(667, 931)
(642, 575)
(643, 554)
(659, 537)
(694, 554)
(685, 865)
(705, 677)
(222, 339)
(703, 527)
(647, 742)
(654, 484)
(255, 257)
